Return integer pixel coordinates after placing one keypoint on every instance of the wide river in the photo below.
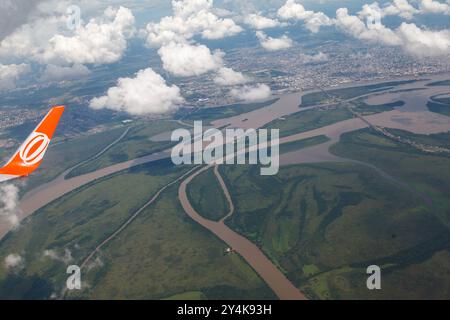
(413, 117)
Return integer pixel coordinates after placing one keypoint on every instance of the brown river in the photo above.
(413, 117)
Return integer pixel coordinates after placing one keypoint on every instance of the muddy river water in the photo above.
(413, 116)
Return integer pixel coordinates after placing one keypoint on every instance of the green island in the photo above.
(207, 197)
(319, 97)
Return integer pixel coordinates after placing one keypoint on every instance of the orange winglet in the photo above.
(30, 154)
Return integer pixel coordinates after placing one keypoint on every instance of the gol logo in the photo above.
(33, 149)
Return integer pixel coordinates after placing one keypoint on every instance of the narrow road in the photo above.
(112, 144)
(274, 278)
(132, 218)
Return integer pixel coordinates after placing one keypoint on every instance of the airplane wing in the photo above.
(30, 154)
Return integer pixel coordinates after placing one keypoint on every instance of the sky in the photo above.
(50, 40)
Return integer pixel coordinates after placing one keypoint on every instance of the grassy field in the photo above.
(308, 120)
(312, 119)
(207, 197)
(302, 144)
(210, 114)
(63, 156)
(325, 224)
(427, 173)
(439, 108)
(136, 144)
(365, 109)
(444, 99)
(439, 83)
(440, 139)
(162, 254)
(317, 98)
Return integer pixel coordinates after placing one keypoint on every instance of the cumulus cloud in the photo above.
(14, 13)
(405, 9)
(14, 262)
(229, 77)
(424, 42)
(401, 8)
(273, 44)
(102, 40)
(96, 263)
(146, 93)
(66, 257)
(45, 39)
(319, 57)
(292, 10)
(431, 6)
(58, 73)
(9, 74)
(185, 60)
(190, 18)
(259, 22)
(251, 93)
(415, 40)
(354, 26)
(9, 204)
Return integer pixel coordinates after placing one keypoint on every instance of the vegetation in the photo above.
(319, 97)
(439, 139)
(308, 120)
(161, 254)
(325, 224)
(426, 173)
(443, 99)
(302, 144)
(439, 83)
(211, 114)
(207, 197)
(62, 156)
(136, 144)
(316, 118)
(366, 109)
(438, 107)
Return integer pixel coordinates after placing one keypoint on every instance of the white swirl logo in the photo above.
(34, 148)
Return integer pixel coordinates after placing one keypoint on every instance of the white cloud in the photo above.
(292, 10)
(274, 44)
(259, 22)
(402, 8)
(102, 40)
(147, 93)
(57, 73)
(411, 38)
(190, 18)
(66, 257)
(431, 6)
(406, 10)
(9, 74)
(229, 77)
(30, 40)
(354, 26)
(9, 204)
(14, 13)
(319, 57)
(47, 40)
(96, 263)
(252, 93)
(424, 42)
(185, 60)
(14, 261)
